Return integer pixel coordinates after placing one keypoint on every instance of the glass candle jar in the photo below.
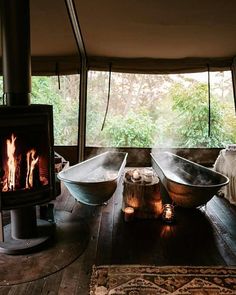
(128, 214)
(168, 214)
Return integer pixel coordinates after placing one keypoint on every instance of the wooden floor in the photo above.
(206, 236)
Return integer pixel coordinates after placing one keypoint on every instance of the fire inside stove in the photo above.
(26, 156)
(23, 165)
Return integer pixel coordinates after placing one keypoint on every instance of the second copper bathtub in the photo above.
(187, 183)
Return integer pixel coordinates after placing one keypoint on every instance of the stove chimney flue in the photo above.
(15, 17)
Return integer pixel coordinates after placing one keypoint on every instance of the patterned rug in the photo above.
(152, 280)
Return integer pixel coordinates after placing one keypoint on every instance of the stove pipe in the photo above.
(15, 17)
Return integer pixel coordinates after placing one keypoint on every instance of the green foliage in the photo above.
(191, 104)
(229, 125)
(132, 130)
(96, 105)
(65, 107)
(160, 110)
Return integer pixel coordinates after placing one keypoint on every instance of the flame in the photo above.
(13, 168)
(31, 163)
(11, 164)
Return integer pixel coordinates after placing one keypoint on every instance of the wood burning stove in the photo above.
(26, 156)
(26, 173)
(26, 138)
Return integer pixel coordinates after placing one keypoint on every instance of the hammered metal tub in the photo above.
(188, 184)
(94, 181)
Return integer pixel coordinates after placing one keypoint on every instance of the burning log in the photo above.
(31, 163)
(22, 169)
(10, 184)
(142, 193)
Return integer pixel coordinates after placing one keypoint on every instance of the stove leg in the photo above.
(24, 223)
(26, 233)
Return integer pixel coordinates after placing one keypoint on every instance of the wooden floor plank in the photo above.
(4, 290)
(21, 289)
(225, 215)
(69, 280)
(35, 287)
(52, 283)
(104, 247)
(224, 239)
(76, 277)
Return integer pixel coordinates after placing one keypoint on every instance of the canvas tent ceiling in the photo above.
(136, 36)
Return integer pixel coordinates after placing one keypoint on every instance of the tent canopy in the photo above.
(154, 36)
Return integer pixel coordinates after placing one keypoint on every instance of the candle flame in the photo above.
(129, 210)
(168, 212)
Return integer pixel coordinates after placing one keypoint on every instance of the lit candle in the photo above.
(128, 214)
(136, 176)
(168, 213)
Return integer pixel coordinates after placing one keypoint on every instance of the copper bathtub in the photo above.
(188, 184)
(94, 181)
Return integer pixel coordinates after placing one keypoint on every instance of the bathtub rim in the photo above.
(123, 163)
(196, 164)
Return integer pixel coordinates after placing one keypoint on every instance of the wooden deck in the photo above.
(200, 237)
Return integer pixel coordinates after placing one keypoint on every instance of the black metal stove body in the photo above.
(26, 156)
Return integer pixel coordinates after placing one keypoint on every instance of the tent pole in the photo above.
(83, 77)
(233, 73)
